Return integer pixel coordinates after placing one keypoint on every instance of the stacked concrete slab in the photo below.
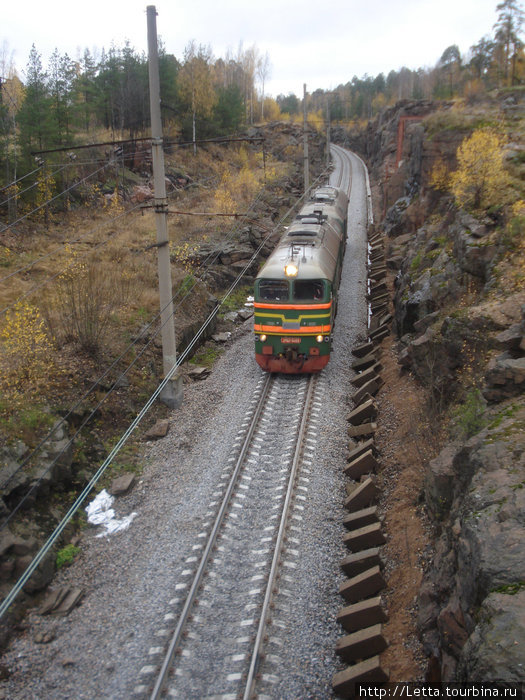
(364, 613)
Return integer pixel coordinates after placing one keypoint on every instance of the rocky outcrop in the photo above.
(476, 492)
(455, 320)
(501, 626)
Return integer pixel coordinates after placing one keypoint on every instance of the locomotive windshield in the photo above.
(273, 290)
(308, 290)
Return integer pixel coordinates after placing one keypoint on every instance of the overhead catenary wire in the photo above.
(35, 184)
(11, 184)
(45, 204)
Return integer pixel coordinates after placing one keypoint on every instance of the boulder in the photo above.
(494, 650)
(504, 378)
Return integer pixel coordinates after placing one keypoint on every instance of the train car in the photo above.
(332, 199)
(295, 295)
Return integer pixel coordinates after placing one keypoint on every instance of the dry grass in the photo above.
(106, 253)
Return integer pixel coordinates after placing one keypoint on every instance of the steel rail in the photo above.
(256, 653)
(177, 634)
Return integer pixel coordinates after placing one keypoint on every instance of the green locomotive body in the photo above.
(295, 296)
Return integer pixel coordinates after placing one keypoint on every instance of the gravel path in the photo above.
(99, 649)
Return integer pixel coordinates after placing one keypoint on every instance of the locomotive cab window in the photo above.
(273, 290)
(308, 290)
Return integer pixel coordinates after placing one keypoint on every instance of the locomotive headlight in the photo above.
(291, 270)
(262, 338)
(319, 338)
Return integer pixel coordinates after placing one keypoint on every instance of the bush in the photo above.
(469, 417)
(26, 351)
(66, 555)
(86, 295)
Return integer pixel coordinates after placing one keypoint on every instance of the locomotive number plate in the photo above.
(290, 340)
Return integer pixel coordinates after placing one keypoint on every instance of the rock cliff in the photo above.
(459, 316)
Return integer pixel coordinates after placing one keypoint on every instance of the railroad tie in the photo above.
(364, 349)
(363, 430)
(364, 644)
(362, 496)
(357, 562)
(366, 375)
(365, 362)
(364, 537)
(360, 518)
(360, 615)
(378, 335)
(367, 410)
(371, 387)
(360, 449)
(377, 288)
(365, 463)
(364, 585)
(369, 671)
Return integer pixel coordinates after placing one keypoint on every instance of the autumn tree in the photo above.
(481, 57)
(289, 104)
(196, 84)
(263, 73)
(85, 91)
(480, 179)
(11, 97)
(228, 112)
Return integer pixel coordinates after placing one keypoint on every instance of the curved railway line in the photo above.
(218, 630)
(248, 528)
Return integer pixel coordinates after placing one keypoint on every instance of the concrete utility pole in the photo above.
(305, 144)
(172, 392)
(327, 131)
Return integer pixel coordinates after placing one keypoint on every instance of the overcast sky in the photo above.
(320, 44)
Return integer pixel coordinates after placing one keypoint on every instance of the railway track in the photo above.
(342, 175)
(214, 634)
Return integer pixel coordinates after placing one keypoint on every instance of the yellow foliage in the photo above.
(480, 180)
(44, 193)
(6, 256)
(236, 189)
(272, 111)
(184, 255)
(518, 208)
(316, 120)
(26, 351)
(440, 176)
(114, 204)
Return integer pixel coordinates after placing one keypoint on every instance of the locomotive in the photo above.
(295, 295)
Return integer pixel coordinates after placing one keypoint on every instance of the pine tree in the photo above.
(508, 28)
(36, 128)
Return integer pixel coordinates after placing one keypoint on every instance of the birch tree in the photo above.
(196, 85)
